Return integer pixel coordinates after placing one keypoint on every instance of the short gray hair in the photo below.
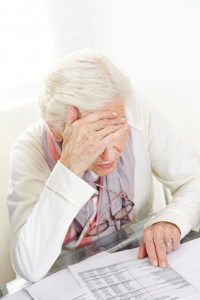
(85, 79)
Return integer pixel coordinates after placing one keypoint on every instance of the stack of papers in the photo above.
(122, 276)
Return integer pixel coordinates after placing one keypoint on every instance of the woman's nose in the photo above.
(109, 154)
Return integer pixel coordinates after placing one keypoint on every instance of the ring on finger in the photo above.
(168, 244)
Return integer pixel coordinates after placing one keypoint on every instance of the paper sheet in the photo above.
(122, 276)
(186, 261)
(60, 285)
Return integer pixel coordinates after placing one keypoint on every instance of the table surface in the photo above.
(128, 237)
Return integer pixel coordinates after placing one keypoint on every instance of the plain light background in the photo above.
(155, 42)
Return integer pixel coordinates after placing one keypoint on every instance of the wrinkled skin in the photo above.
(153, 243)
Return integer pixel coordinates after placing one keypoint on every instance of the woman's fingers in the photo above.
(104, 123)
(92, 117)
(114, 131)
(109, 137)
(112, 135)
(160, 239)
(99, 120)
(161, 252)
(150, 247)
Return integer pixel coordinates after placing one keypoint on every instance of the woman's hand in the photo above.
(85, 138)
(158, 240)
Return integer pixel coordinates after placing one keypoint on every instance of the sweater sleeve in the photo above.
(42, 205)
(177, 166)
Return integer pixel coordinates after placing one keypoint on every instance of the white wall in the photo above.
(157, 44)
(34, 35)
(12, 122)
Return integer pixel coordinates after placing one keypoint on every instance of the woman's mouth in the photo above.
(106, 166)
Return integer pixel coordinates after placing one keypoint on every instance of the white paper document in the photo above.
(122, 276)
(60, 285)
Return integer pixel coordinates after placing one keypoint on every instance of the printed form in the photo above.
(133, 279)
(121, 276)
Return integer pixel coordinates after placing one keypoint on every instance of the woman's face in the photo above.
(107, 161)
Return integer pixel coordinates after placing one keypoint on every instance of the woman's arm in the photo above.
(178, 168)
(42, 207)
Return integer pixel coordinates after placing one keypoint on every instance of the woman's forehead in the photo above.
(116, 106)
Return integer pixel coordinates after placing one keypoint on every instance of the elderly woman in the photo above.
(86, 169)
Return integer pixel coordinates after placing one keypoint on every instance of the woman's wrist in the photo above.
(75, 169)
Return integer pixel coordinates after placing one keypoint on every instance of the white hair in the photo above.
(85, 79)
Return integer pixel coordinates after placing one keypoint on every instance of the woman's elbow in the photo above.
(27, 267)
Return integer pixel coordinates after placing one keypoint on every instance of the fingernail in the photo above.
(114, 113)
(155, 263)
(123, 119)
(163, 264)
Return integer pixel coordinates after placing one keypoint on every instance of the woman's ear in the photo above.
(57, 137)
(72, 114)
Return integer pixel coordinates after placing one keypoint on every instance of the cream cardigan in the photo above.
(42, 204)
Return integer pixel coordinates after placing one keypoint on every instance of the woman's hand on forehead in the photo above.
(86, 137)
